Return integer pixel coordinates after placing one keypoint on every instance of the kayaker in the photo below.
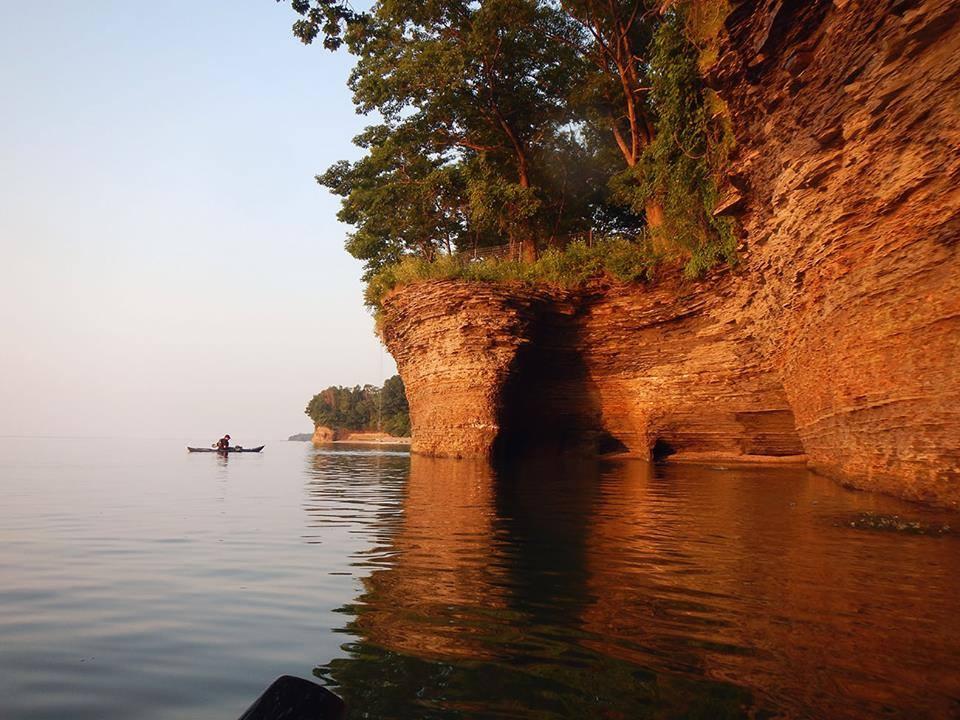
(223, 444)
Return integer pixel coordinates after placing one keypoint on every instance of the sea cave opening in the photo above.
(661, 450)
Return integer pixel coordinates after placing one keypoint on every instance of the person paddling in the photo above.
(223, 444)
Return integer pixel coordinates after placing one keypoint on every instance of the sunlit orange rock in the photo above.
(837, 337)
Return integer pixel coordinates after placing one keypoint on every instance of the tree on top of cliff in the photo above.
(677, 171)
(508, 119)
(613, 37)
(483, 87)
(643, 84)
(401, 198)
(473, 87)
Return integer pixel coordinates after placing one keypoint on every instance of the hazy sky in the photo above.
(169, 266)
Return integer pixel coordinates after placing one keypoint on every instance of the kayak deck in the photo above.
(229, 450)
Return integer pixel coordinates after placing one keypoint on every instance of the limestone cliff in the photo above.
(837, 338)
(648, 370)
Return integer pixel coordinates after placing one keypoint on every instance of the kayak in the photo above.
(292, 698)
(232, 449)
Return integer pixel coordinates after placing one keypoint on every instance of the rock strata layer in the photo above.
(324, 436)
(838, 336)
(650, 371)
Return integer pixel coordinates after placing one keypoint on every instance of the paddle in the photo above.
(291, 698)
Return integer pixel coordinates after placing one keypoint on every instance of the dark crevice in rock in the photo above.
(548, 402)
(607, 444)
(661, 450)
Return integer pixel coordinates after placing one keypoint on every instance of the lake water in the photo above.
(138, 581)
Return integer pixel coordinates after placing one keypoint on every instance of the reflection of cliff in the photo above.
(474, 606)
(838, 337)
(731, 579)
(560, 589)
(444, 566)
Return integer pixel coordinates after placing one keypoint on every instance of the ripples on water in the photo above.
(147, 583)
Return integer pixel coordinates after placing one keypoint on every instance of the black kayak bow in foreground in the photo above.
(292, 698)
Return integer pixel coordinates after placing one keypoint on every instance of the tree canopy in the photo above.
(524, 122)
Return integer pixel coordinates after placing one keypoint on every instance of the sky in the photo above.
(168, 266)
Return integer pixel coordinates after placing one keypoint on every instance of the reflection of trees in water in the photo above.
(476, 607)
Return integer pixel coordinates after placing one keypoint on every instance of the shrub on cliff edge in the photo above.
(572, 266)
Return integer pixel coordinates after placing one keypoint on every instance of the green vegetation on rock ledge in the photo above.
(532, 124)
(363, 408)
(617, 258)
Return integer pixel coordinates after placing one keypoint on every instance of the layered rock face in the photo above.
(678, 376)
(652, 371)
(455, 347)
(848, 123)
(837, 337)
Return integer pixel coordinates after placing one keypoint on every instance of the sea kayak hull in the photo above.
(229, 450)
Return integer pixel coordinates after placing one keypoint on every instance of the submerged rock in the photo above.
(895, 523)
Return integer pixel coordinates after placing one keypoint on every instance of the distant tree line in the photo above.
(529, 121)
(366, 407)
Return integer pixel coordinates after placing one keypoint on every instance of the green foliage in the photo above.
(401, 197)
(705, 20)
(363, 408)
(504, 207)
(330, 19)
(617, 258)
(677, 170)
(477, 143)
(512, 121)
(396, 411)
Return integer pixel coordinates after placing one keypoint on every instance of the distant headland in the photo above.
(361, 414)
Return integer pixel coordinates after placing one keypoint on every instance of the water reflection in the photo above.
(739, 578)
(359, 490)
(598, 589)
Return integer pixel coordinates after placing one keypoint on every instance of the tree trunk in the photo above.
(528, 249)
(528, 244)
(523, 246)
(653, 211)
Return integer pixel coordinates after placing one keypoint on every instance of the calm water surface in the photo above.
(137, 581)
